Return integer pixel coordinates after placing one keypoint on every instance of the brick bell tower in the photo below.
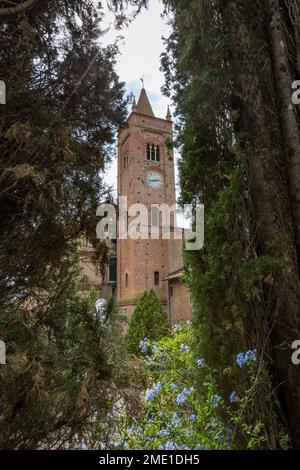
(146, 176)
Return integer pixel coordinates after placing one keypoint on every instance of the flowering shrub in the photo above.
(174, 415)
(182, 407)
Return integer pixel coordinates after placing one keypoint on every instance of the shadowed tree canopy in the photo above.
(57, 130)
(11, 8)
(64, 106)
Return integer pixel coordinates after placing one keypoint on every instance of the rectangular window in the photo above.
(156, 278)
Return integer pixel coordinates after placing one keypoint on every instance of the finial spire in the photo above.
(143, 106)
(143, 81)
(169, 115)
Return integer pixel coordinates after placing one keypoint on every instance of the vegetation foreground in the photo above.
(225, 380)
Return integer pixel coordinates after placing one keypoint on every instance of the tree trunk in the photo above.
(289, 127)
(274, 197)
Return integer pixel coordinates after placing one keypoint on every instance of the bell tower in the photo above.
(146, 176)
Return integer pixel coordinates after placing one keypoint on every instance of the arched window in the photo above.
(153, 152)
(126, 280)
(156, 278)
(157, 153)
(148, 152)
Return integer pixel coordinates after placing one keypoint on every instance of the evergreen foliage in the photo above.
(64, 106)
(149, 320)
(230, 68)
(65, 368)
(230, 107)
(57, 130)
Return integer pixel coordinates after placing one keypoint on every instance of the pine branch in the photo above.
(16, 10)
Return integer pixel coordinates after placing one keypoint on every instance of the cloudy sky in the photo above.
(140, 49)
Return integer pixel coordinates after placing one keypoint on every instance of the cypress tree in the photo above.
(149, 320)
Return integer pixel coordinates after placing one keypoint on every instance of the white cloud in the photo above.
(140, 51)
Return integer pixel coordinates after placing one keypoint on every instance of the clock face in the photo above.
(155, 180)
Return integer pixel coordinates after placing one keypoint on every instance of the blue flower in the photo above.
(244, 358)
(164, 433)
(215, 400)
(176, 327)
(192, 418)
(240, 359)
(131, 429)
(181, 399)
(183, 395)
(150, 394)
(144, 345)
(170, 445)
(251, 355)
(173, 386)
(184, 348)
(176, 419)
(200, 363)
(83, 446)
(233, 398)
